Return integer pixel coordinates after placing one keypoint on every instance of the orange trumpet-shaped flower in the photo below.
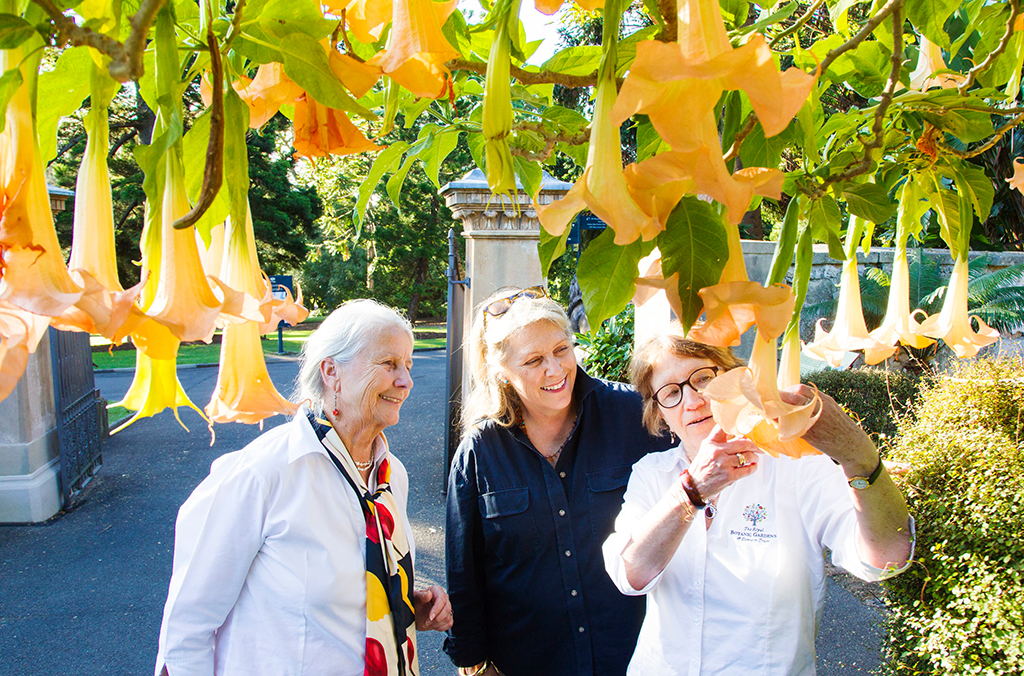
(602, 188)
(357, 76)
(953, 323)
(550, 7)
(849, 331)
(929, 61)
(267, 92)
(244, 391)
(678, 84)
(321, 131)
(154, 388)
(899, 325)
(1017, 180)
(287, 310)
(365, 18)
(746, 402)
(789, 365)
(34, 276)
(417, 48)
(20, 332)
(183, 300)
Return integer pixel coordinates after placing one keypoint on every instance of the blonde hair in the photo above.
(344, 334)
(489, 346)
(671, 341)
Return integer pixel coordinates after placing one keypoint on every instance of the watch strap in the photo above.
(861, 482)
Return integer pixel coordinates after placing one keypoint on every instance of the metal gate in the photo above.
(457, 292)
(75, 402)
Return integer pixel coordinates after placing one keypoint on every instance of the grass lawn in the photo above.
(210, 354)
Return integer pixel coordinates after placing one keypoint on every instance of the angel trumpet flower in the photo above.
(678, 84)
(735, 304)
(849, 332)
(244, 391)
(154, 388)
(417, 48)
(105, 307)
(746, 402)
(953, 323)
(365, 18)
(321, 131)
(497, 113)
(551, 7)
(267, 92)
(929, 61)
(34, 276)
(20, 332)
(602, 188)
(899, 325)
(1017, 180)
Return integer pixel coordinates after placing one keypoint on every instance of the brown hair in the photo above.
(671, 341)
(489, 344)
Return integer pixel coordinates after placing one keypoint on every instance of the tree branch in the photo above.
(121, 141)
(990, 143)
(861, 35)
(235, 27)
(550, 140)
(796, 26)
(670, 23)
(527, 77)
(741, 135)
(877, 128)
(213, 175)
(994, 54)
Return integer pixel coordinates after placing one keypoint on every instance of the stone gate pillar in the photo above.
(501, 234)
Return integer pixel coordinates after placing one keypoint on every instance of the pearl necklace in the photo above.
(362, 466)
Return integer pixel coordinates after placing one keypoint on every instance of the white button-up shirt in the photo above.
(744, 596)
(269, 573)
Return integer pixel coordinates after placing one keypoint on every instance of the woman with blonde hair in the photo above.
(533, 491)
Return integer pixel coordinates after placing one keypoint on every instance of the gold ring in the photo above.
(742, 458)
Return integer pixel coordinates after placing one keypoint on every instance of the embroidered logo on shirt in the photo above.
(754, 513)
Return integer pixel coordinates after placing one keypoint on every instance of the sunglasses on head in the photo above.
(500, 306)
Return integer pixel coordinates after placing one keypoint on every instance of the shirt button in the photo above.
(561, 512)
(561, 474)
(696, 583)
(568, 553)
(696, 620)
(582, 630)
(573, 592)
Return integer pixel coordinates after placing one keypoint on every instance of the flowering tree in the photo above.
(846, 107)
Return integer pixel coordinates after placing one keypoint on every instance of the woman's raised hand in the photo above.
(433, 609)
(722, 461)
(835, 433)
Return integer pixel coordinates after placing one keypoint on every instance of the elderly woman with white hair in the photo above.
(295, 556)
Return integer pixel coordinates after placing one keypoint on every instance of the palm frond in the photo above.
(925, 279)
(874, 296)
(984, 284)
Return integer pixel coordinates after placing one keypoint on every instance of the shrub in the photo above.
(960, 609)
(610, 348)
(878, 398)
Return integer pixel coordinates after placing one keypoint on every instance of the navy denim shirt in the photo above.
(525, 572)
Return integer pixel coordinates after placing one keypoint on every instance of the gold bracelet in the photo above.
(480, 668)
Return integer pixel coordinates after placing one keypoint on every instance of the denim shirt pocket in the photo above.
(508, 524)
(605, 490)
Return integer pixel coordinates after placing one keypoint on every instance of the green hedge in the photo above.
(960, 608)
(877, 398)
(610, 348)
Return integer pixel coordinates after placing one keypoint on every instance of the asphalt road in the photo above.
(83, 593)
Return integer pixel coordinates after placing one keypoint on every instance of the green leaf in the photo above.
(694, 245)
(758, 151)
(529, 173)
(383, 163)
(967, 125)
(929, 17)
(443, 145)
(9, 83)
(734, 12)
(283, 17)
(551, 247)
(236, 155)
(782, 259)
(394, 184)
(305, 61)
(60, 93)
(871, 66)
(14, 30)
(870, 201)
(581, 60)
(775, 17)
(194, 145)
(606, 272)
(947, 205)
(824, 219)
(836, 9)
(972, 180)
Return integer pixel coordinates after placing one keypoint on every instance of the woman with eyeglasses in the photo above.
(533, 491)
(727, 543)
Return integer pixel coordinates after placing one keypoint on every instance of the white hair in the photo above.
(345, 333)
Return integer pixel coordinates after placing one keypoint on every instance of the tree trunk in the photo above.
(145, 118)
(413, 310)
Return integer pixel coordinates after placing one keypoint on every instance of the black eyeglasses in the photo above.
(670, 394)
(502, 305)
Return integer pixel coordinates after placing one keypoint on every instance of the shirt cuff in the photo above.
(616, 566)
(879, 574)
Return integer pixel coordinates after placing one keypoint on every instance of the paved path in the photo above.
(83, 594)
